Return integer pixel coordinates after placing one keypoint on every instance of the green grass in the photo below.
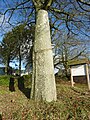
(4, 92)
(4, 80)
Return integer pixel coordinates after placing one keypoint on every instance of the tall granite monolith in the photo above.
(43, 79)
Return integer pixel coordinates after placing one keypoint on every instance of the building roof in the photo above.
(78, 62)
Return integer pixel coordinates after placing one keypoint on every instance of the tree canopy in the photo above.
(68, 16)
(72, 15)
(17, 44)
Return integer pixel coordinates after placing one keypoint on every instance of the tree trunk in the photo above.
(43, 80)
(8, 67)
(19, 62)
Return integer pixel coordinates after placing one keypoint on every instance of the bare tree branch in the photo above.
(78, 54)
(81, 1)
(58, 11)
(82, 7)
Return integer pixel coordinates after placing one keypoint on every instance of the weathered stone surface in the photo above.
(43, 80)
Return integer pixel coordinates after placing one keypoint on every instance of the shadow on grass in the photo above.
(21, 86)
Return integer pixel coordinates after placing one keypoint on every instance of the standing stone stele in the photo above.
(43, 79)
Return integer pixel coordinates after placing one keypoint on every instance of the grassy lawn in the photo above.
(72, 103)
(4, 80)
